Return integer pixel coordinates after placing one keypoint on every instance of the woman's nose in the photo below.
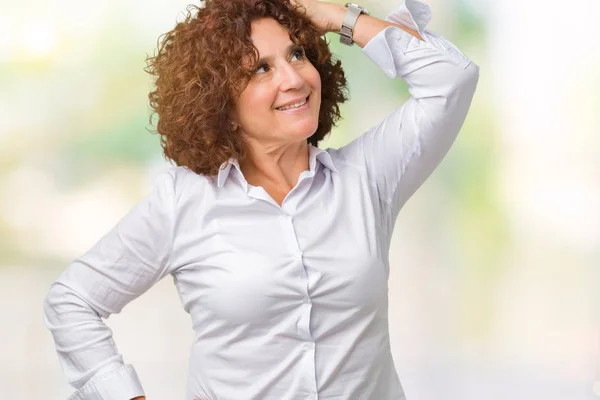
(290, 77)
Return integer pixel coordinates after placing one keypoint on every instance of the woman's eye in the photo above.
(261, 69)
(298, 53)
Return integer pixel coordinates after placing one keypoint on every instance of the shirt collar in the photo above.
(314, 154)
(224, 170)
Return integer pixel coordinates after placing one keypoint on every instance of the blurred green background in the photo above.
(494, 288)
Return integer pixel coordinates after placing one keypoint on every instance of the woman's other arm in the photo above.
(122, 265)
(402, 151)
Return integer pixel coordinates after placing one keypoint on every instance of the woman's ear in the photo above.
(233, 120)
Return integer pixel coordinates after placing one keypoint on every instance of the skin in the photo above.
(277, 139)
(278, 156)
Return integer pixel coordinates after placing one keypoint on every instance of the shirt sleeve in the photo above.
(121, 266)
(402, 151)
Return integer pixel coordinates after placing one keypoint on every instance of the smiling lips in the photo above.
(294, 106)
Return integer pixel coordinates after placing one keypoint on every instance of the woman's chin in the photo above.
(304, 129)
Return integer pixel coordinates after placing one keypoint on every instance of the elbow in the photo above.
(473, 72)
(51, 302)
(461, 96)
(469, 79)
(54, 305)
(453, 106)
(62, 304)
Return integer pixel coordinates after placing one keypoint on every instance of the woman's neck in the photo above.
(276, 166)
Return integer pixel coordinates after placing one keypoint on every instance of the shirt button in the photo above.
(298, 255)
(311, 397)
(309, 346)
(306, 300)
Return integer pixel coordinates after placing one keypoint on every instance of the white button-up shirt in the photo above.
(287, 302)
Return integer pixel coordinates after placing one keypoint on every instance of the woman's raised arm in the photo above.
(402, 151)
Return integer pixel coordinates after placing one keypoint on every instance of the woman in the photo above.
(279, 250)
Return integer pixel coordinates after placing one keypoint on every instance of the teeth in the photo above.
(300, 104)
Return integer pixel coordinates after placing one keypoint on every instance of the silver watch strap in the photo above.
(348, 25)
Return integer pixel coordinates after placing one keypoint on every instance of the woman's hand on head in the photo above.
(327, 17)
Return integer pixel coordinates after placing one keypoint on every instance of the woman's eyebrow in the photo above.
(267, 59)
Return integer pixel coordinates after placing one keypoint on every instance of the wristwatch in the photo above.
(354, 11)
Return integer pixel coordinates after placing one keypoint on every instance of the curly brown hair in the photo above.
(199, 76)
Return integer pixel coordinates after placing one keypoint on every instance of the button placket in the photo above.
(309, 372)
(308, 347)
(288, 226)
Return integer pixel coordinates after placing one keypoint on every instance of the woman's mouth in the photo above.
(296, 107)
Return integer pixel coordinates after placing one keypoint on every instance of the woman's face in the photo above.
(284, 77)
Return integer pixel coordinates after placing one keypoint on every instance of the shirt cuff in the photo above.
(412, 14)
(121, 383)
(391, 48)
